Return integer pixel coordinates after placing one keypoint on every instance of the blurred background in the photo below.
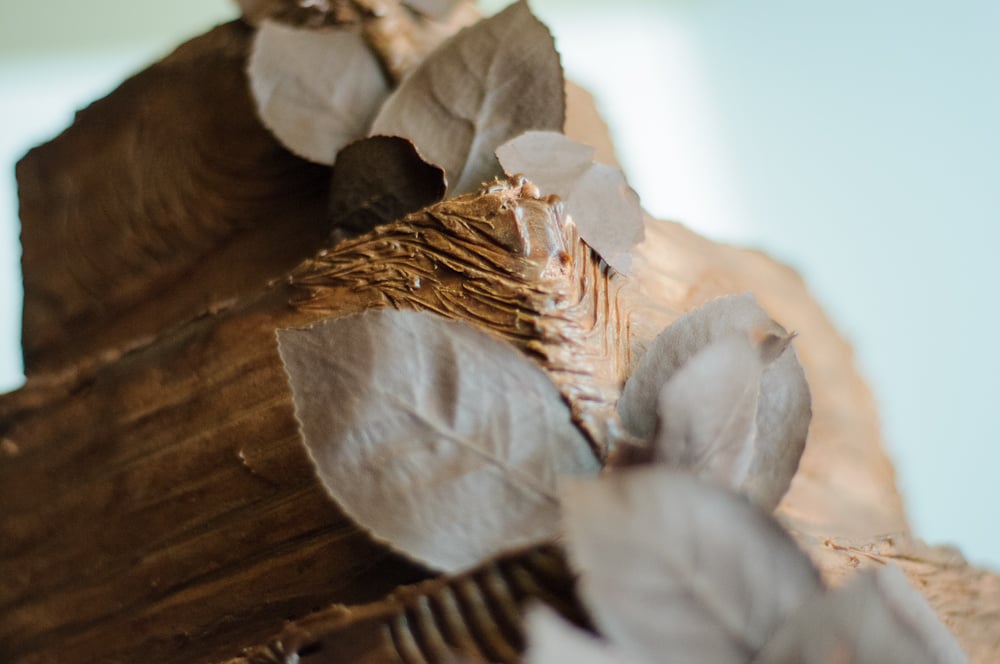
(858, 141)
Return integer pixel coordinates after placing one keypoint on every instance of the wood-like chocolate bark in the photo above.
(162, 200)
(157, 504)
(845, 487)
(162, 506)
(166, 499)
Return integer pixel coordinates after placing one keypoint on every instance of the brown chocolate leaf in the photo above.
(597, 197)
(877, 617)
(783, 404)
(316, 90)
(553, 640)
(489, 83)
(439, 439)
(676, 569)
(380, 179)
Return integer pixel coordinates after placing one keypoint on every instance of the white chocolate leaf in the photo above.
(434, 9)
(605, 209)
(316, 90)
(553, 640)
(676, 569)
(707, 412)
(439, 439)
(490, 82)
(784, 406)
(877, 618)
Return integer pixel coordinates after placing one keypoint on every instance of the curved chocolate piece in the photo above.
(476, 616)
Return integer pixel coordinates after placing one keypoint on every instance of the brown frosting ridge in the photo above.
(508, 261)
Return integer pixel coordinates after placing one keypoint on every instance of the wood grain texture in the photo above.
(161, 506)
(169, 502)
(166, 499)
(162, 200)
(157, 504)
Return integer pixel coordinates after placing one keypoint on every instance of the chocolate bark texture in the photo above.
(158, 503)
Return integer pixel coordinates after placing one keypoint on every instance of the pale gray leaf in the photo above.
(438, 438)
(316, 90)
(552, 640)
(435, 9)
(314, 13)
(675, 569)
(784, 403)
(605, 209)
(877, 618)
(707, 412)
(489, 83)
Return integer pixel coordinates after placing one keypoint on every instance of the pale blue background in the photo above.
(857, 140)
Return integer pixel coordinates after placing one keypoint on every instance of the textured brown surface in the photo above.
(845, 487)
(167, 507)
(478, 614)
(526, 277)
(165, 498)
(163, 504)
(162, 200)
(157, 504)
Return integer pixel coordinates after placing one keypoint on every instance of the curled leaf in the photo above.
(783, 411)
(597, 197)
(877, 617)
(553, 640)
(380, 179)
(489, 83)
(677, 570)
(437, 438)
(316, 90)
(707, 412)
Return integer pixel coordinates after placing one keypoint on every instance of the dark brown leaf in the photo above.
(316, 90)
(440, 439)
(488, 84)
(675, 569)
(597, 197)
(380, 179)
